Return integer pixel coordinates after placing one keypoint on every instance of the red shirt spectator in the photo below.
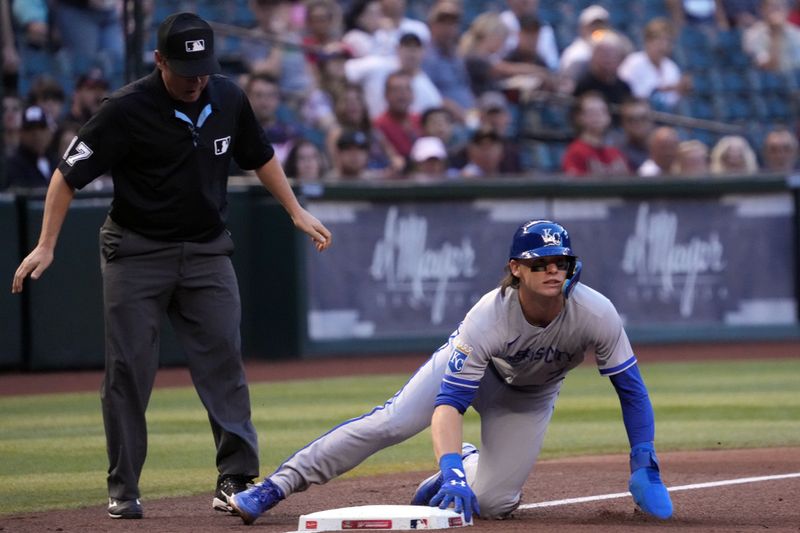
(399, 126)
(582, 158)
(589, 153)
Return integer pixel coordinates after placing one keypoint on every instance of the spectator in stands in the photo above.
(741, 13)
(323, 30)
(371, 72)
(637, 122)
(708, 13)
(439, 122)
(12, 123)
(443, 64)
(35, 47)
(91, 36)
(47, 93)
(772, 42)
(318, 107)
(10, 65)
(662, 151)
(305, 162)
(495, 114)
(398, 24)
(481, 47)
(592, 23)
(517, 9)
(90, 90)
(780, 151)
(428, 161)
(484, 154)
(352, 158)
(399, 125)
(351, 114)
(733, 155)
(601, 75)
(794, 13)
(28, 166)
(651, 73)
(692, 159)
(364, 34)
(589, 154)
(265, 98)
(274, 50)
(534, 75)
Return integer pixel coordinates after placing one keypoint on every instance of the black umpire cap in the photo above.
(187, 42)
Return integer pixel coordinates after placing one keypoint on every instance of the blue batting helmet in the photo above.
(540, 238)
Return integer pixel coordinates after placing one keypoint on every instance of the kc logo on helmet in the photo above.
(551, 239)
(196, 46)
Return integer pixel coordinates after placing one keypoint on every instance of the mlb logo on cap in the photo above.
(196, 46)
(187, 43)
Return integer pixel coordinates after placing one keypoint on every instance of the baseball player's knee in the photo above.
(497, 506)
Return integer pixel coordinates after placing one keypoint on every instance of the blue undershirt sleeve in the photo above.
(637, 411)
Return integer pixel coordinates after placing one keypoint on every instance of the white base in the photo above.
(382, 517)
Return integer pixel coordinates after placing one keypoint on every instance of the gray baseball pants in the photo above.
(195, 285)
(513, 425)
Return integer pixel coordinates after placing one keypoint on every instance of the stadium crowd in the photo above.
(419, 90)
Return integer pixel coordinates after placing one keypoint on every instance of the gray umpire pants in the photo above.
(195, 285)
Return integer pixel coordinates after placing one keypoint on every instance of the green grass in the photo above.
(52, 447)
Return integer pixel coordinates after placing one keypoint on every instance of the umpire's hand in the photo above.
(35, 264)
(315, 229)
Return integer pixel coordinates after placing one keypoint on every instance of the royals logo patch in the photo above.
(457, 358)
(550, 238)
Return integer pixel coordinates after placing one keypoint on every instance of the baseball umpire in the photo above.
(167, 140)
(507, 359)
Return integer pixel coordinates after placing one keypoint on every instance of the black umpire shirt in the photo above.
(170, 170)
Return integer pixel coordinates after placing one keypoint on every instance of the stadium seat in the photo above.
(733, 81)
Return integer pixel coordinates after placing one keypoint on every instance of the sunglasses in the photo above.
(540, 265)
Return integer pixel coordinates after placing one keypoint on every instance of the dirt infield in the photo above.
(768, 505)
(759, 506)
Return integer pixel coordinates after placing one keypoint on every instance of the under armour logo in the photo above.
(456, 483)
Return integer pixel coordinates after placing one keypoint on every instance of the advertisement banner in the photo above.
(415, 268)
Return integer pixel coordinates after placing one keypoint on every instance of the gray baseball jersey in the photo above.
(515, 397)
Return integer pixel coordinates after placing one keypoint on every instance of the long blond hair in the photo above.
(484, 25)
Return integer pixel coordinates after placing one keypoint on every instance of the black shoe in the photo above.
(124, 508)
(227, 486)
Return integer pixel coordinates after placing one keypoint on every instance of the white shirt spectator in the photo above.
(645, 78)
(371, 72)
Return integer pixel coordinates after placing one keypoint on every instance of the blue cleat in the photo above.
(256, 500)
(430, 486)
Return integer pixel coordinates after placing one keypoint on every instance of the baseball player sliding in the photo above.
(507, 359)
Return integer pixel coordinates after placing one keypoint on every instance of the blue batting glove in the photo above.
(648, 491)
(455, 489)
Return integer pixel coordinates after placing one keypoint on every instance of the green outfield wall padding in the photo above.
(11, 350)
